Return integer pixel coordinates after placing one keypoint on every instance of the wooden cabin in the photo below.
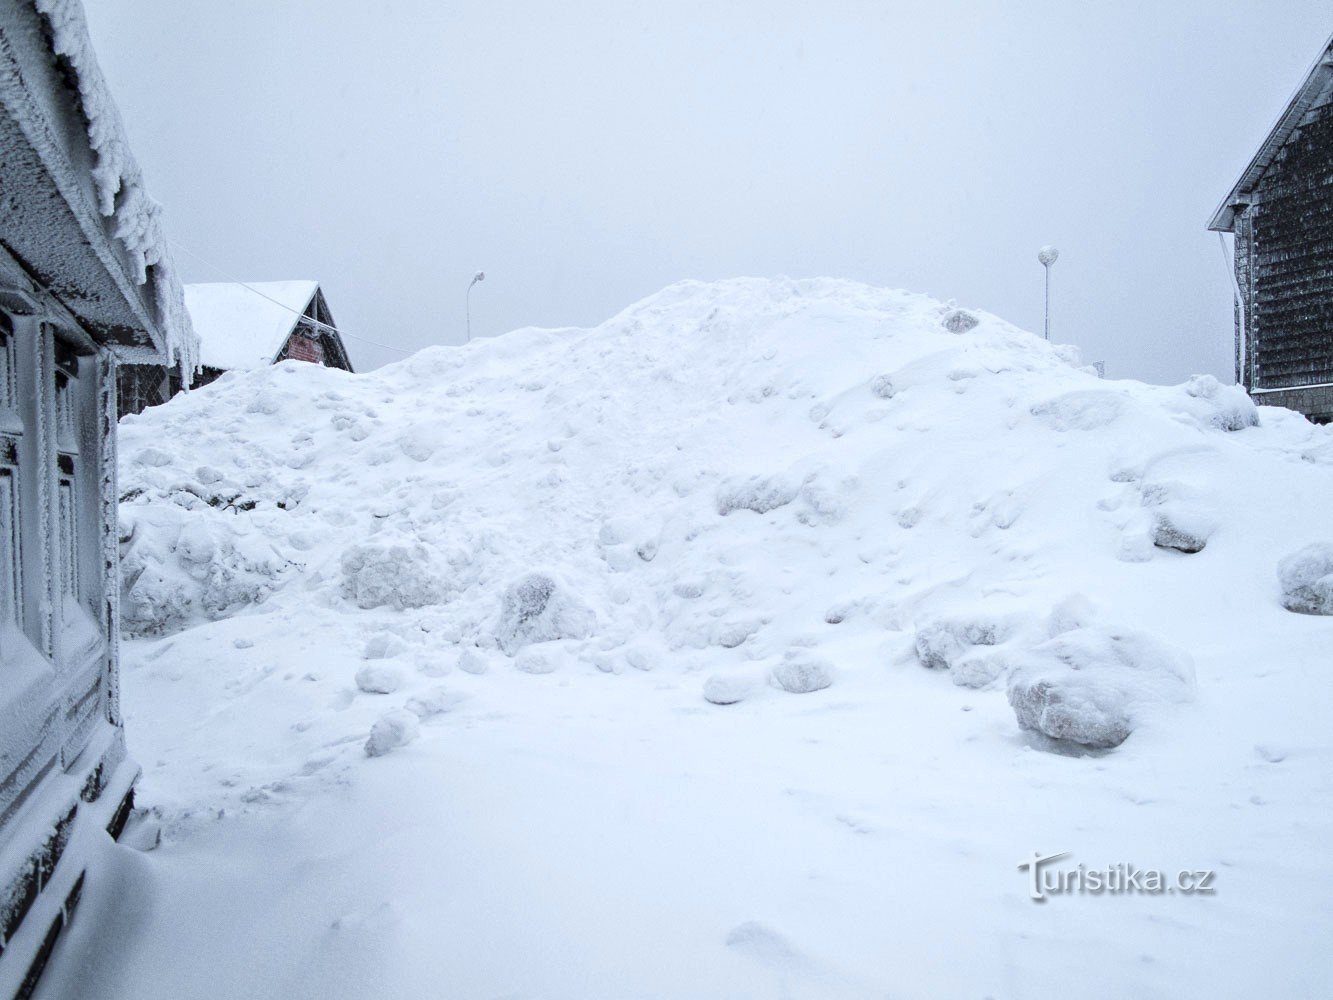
(242, 326)
(1281, 212)
(85, 279)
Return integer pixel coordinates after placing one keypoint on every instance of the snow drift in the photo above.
(789, 615)
(708, 472)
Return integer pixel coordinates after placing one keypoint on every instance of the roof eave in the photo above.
(296, 321)
(1319, 76)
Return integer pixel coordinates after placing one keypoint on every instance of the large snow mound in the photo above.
(756, 607)
(712, 470)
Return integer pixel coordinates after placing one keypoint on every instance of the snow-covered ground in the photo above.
(686, 657)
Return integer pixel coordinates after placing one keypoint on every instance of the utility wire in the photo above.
(313, 322)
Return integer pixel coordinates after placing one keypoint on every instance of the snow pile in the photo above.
(707, 473)
(786, 618)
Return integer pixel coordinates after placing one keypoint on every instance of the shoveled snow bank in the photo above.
(785, 498)
(716, 467)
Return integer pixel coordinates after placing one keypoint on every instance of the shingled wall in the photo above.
(1290, 265)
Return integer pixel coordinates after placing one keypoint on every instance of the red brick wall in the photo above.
(302, 348)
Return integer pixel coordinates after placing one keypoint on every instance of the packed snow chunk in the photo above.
(179, 567)
(379, 678)
(979, 669)
(841, 611)
(152, 457)
(1180, 531)
(1307, 580)
(728, 689)
(534, 660)
(396, 576)
(1093, 685)
(641, 656)
(1181, 518)
(383, 646)
(1075, 707)
(616, 531)
(941, 642)
(538, 608)
(419, 443)
(393, 730)
(436, 701)
(802, 676)
(958, 321)
(471, 661)
(882, 386)
(729, 635)
(822, 505)
(760, 494)
(1081, 410)
(689, 589)
(1212, 404)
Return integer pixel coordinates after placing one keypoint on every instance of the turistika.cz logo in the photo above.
(1115, 880)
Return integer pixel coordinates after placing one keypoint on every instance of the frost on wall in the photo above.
(121, 195)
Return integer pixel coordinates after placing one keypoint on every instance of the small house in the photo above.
(85, 281)
(256, 324)
(243, 326)
(1281, 212)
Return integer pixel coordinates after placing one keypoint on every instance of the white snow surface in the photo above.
(684, 670)
(244, 325)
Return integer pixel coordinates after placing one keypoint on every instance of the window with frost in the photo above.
(67, 468)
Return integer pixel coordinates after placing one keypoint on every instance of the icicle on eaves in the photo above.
(119, 183)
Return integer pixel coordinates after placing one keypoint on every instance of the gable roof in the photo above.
(239, 328)
(1312, 93)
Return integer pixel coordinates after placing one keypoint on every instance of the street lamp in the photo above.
(479, 276)
(1048, 255)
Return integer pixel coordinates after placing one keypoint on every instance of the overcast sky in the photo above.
(586, 154)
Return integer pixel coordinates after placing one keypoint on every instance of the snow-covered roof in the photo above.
(1313, 92)
(245, 325)
(132, 217)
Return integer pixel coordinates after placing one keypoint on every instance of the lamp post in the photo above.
(1048, 255)
(479, 276)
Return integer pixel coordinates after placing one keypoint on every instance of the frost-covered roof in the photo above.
(1314, 90)
(245, 325)
(54, 91)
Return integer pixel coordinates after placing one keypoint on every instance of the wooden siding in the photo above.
(1288, 263)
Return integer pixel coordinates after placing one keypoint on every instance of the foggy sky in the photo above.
(586, 154)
